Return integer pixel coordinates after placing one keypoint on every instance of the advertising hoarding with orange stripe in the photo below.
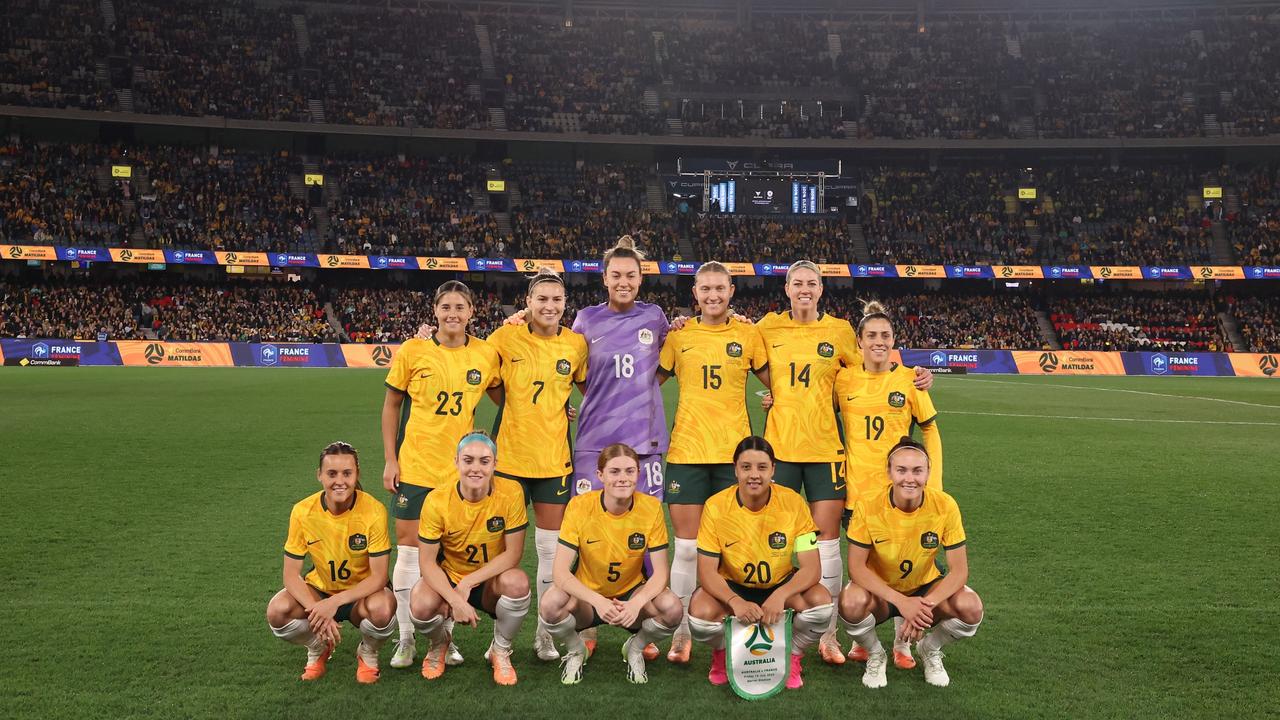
(1068, 362)
(369, 356)
(142, 353)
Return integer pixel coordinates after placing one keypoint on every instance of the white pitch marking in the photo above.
(1114, 419)
(1134, 392)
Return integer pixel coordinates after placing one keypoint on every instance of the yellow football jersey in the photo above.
(611, 547)
(877, 410)
(711, 363)
(756, 548)
(472, 533)
(538, 374)
(803, 361)
(444, 386)
(339, 545)
(901, 545)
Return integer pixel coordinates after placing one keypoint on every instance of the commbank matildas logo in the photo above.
(473, 377)
(733, 350)
(929, 540)
(496, 523)
(826, 349)
(382, 356)
(154, 353)
(777, 540)
(563, 367)
(635, 541)
(1268, 365)
(761, 640)
(357, 542)
(897, 399)
(1048, 362)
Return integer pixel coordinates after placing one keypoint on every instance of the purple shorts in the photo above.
(584, 474)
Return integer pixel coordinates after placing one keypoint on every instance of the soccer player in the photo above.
(757, 548)
(344, 530)
(471, 539)
(711, 357)
(894, 538)
(806, 349)
(878, 404)
(599, 568)
(541, 361)
(442, 379)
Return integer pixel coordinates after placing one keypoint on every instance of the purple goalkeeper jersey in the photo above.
(623, 403)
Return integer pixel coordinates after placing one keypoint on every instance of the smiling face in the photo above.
(622, 280)
(619, 477)
(453, 311)
(876, 340)
(713, 291)
(804, 290)
(546, 305)
(754, 471)
(475, 463)
(909, 471)
(338, 475)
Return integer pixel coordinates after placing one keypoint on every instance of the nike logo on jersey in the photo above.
(779, 345)
(685, 350)
(880, 541)
(313, 542)
(730, 544)
(596, 340)
(850, 397)
(424, 376)
(839, 487)
(589, 542)
(516, 360)
(453, 532)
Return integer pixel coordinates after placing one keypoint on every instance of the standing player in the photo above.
(443, 379)
(806, 349)
(540, 363)
(599, 568)
(894, 538)
(711, 357)
(879, 403)
(471, 539)
(344, 530)
(747, 541)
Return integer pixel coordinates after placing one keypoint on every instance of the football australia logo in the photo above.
(777, 540)
(331, 260)
(733, 350)
(357, 542)
(1048, 362)
(635, 541)
(929, 540)
(761, 640)
(473, 377)
(826, 349)
(1268, 365)
(126, 255)
(496, 524)
(154, 353)
(563, 367)
(897, 399)
(15, 252)
(1006, 271)
(382, 356)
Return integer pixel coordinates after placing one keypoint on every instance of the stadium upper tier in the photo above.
(175, 307)
(780, 77)
(219, 198)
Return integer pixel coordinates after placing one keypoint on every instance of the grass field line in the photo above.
(1120, 390)
(1114, 419)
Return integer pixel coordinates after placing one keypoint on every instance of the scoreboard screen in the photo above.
(764, 196)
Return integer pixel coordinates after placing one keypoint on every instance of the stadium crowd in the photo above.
(1259, 322)
(1134, 321)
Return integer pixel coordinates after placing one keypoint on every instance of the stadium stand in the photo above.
(1259, 319)
(1167, 321)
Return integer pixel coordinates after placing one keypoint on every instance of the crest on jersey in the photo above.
(563, 367)
(357, 542)
(733, 349)
(636, 541)
(402, 501)
(582, 487)
(646, 336)
(897, 399)
(673, 487)
(826, 349)
(473, 377)
(777, 540)
(496, 524)
(929, 540)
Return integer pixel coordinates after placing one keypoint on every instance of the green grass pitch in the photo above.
(1127, 565)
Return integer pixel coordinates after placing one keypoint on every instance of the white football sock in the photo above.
(809, 625)
(832, 572)
(566, 631)
(652, 631)
(898, 645)
(684, 575)
(432, 628)
(544, 542)
(403, 577)
(510, 613)
(863, 632)
(707, 632)
(947, 631)
(299, 632)
(372, 640)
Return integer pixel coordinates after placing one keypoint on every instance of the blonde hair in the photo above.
(803, 265)
(713, 266)
(625, 249)
(545, 275)
(873, 310)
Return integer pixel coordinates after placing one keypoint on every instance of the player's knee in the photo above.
(423, 601)
(280, 609)
(705, 607)
(668, 607)
(968, 606)
(380, 607)
(815, 596)
(513, 583)
(855, 603)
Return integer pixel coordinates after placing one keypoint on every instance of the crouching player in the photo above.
(894, 535)
(606, 534)
(471, 538)
(747, 538)
(344, 530)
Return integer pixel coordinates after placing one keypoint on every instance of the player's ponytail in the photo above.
(754, 442)
(873, 310)
(625, 249)
(341, 448)
(613, 451)
(907, 443)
